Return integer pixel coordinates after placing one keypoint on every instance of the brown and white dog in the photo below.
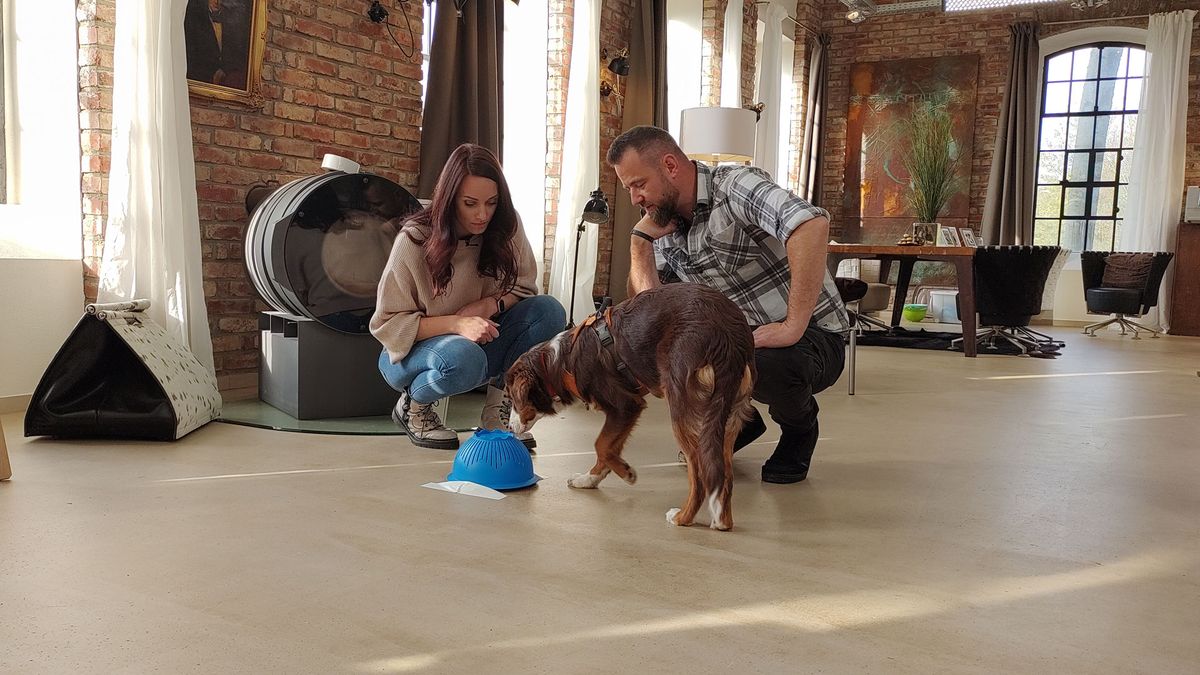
(685, 342)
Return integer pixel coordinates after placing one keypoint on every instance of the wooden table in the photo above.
(963, 258)
(5, 468)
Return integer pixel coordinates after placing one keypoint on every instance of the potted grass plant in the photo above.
(932, 163)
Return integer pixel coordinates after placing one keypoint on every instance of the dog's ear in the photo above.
(516, 382)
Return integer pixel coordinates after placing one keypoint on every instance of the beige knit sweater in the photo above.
(405, 293)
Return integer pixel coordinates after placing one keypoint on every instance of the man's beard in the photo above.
(666, 213)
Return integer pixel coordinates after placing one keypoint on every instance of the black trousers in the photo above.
(787, 380)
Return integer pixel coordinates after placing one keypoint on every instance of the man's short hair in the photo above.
(651, 144)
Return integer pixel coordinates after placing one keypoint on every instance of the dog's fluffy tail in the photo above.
(718, 402)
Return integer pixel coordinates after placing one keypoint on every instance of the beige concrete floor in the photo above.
(989, 515)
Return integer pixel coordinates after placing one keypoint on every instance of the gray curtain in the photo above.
(813, 147)
(463, 104)
(645, 103)
(1008, 209)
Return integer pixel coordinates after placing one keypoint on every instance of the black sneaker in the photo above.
(789, 463)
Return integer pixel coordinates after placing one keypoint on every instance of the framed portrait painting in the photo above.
(225, 41)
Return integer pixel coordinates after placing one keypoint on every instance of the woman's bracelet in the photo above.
(643, 235)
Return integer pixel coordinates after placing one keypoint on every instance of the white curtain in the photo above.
(580, 165)
(1156, 177)
(769, 72)
(152, 239)
(525, 135)
(731, 57)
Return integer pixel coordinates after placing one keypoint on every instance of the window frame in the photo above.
(1091, 184)
(1058, 42)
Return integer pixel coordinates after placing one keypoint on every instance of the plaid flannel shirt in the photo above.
(735, 244)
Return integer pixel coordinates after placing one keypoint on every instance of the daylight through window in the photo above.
(1090, 98)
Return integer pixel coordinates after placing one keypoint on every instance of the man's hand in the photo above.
(643, 273)
(483, 308)
(477, 329)
(647, 225)
(775, 335)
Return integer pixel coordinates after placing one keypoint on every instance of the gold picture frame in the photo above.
(225, 41)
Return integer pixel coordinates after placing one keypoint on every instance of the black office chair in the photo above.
(1009, 281)
(1123, 284)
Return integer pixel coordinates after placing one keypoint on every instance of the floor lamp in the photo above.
(717, 135)
(596, 211)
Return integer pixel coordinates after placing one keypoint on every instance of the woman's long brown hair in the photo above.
(498, 255)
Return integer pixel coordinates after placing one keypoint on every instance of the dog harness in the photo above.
(600, 322)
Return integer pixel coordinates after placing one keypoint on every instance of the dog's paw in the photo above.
(720, 526)
(632, 476)
(671, 513)
(584, 481)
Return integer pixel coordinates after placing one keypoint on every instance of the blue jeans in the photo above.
(445, 365)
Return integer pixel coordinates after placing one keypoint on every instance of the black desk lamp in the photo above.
(596, 211)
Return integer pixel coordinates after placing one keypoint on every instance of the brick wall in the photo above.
(96, 33)
(333, 82)
(984, 33)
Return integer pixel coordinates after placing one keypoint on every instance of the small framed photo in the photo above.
(968, 237)
(948, 236)
(925, 232)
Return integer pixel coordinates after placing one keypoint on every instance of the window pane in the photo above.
(1111, 95)
(1071, 234)
(1077, 167)
(1126, 165)
(1113, 62)
(1102, 201)
(1122, 200)
(1050, 167)
(1087, 64)
(1057, 70)
(1083, 96)
(1130, 131)
(1057, 97)
(1045, 232)
(1079, 133)
(1133, 94)
(1106, 167)
(1100, 235)
(1054, 133)
(1108, 131)
(1074, 200)
(1049, 200)
(1137, 62)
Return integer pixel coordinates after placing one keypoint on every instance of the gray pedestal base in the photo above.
(313, 372)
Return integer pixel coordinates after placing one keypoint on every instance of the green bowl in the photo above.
(915, 313)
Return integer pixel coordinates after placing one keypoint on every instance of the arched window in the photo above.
(1089, 110)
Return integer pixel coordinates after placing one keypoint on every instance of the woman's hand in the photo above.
(483, 308)
(477, 329)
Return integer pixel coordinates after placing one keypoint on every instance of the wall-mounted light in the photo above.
(620, 63)
(618, 66)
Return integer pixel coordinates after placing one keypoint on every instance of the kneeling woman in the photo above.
(458, 300)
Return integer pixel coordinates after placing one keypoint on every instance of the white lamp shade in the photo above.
(718, 134)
